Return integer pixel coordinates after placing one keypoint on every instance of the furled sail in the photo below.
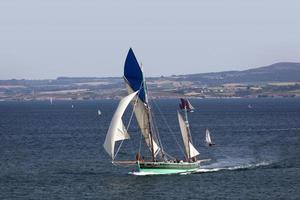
(134, 81)
(189, 148)
(117, 131)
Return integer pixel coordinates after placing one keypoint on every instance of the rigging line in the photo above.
(141, 138)
(169, 155)
(170, 130)
(134, 105)
(159, 139)
(157, 132)
(162, 151)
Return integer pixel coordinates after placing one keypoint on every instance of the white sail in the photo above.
(117, 130)
(207, 137)
(193, 151)
(141, 114)
(189, 148)
(190, 105)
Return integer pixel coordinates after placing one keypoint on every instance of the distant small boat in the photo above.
(72, 106)
(249, 106)
(99, 112)
(208, 138)
(51, 100)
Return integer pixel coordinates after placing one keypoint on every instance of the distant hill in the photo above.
(276, 80)
(278, 72)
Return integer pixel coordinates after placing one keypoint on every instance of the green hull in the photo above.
(160, 168)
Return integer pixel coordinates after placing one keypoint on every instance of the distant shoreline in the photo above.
(171, 98)
(278, 80)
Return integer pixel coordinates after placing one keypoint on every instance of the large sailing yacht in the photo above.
(160, 162)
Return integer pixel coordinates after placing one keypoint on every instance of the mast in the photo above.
(188, 130)
(149, 117)
(151, 136)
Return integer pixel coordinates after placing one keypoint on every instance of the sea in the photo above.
(55, 151)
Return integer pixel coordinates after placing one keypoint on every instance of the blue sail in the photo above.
(134, 75)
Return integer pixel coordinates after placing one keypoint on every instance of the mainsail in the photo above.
(117, 131)
(134, 81)
(189, 148)
(207, 137)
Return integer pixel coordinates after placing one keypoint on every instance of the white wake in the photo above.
(211, 168)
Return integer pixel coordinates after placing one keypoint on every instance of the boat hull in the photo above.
(156, 168)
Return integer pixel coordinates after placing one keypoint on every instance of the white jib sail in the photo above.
(187, 144)
(190, 105)
(141, 114)
(207, 137)
(117, 131)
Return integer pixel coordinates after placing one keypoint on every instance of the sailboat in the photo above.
(208, 138)
(99, 112)
(160, 162)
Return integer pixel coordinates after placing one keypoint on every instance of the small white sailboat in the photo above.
(208, 138)
(51, 100)
(160, 162)
(99, 112)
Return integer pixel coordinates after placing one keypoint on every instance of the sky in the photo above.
(44, 39)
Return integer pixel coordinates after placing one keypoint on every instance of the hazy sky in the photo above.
(45, 39)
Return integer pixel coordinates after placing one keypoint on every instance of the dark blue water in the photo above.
(55, 152)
